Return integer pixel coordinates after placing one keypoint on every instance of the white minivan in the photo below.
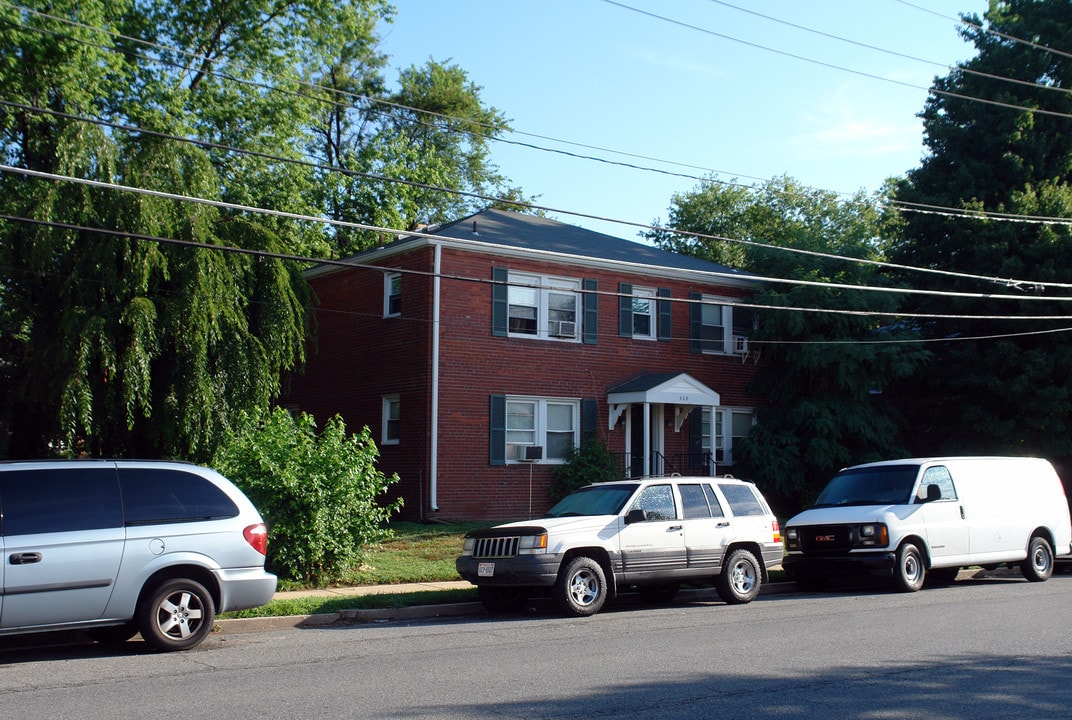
(909, 518)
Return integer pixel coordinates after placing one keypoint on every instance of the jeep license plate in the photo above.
(485, 569)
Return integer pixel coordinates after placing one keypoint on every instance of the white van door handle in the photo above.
(962, 512)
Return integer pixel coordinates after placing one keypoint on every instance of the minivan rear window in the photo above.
(48, 500)
(157, 495)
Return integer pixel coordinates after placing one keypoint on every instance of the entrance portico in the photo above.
(643, 402)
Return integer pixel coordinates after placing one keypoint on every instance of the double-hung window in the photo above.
(543, 306)
(553, 424)
(390, 417)
(723, 429)
(392, 294)
(644, 313)
(719, 326)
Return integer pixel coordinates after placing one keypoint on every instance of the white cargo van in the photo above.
(907, 518)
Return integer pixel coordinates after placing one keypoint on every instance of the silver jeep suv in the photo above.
(121, 547)
(654, 534)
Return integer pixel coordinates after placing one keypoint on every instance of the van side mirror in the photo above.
(933, 493)
(636, 515)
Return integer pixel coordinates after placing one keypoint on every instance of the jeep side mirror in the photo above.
(636, 515)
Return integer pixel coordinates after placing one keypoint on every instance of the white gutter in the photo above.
(433, 469)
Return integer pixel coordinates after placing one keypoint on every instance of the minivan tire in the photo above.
(1038, 565)
(177, 615)
(581, 588)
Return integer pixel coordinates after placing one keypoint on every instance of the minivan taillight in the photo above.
(257, 537)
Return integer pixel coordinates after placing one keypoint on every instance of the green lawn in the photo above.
(418, 552)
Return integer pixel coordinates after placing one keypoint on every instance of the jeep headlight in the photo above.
(532, 543)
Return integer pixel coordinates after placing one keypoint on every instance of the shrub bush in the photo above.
(318, 494)
(592, 462)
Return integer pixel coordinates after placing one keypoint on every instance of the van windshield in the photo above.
(594, 500)
(885, 485)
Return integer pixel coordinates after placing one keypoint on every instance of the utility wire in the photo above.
(374, 228)
(380, 101)
(894, 53)
(989, 31)
(951, 212)
(488, 281)
(944, 93)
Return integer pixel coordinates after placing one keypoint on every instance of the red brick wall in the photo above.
(362, 356)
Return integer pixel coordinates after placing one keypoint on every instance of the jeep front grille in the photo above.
(496, 547)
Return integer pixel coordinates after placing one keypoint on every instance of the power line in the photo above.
(989, 31)
(944, 93)
(951, 212)
(488, 281)
(495, 138)
(894, 53)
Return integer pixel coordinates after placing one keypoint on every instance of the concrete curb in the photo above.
(423, 612)
(444, 610)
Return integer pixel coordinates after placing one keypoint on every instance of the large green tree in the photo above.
(999, 135)
(823, 373)
(433, 133)
(114, 342)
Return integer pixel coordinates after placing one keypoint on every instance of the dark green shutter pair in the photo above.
(497, 436)
(500, 306)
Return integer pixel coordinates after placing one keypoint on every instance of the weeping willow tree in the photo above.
(126, 327)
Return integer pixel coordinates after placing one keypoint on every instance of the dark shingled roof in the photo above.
(529, 232)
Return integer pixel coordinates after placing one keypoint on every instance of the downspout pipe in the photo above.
(433, 469)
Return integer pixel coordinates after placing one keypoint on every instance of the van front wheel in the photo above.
(1038, 565)
(910, 572)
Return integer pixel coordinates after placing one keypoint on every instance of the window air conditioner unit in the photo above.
(564, 329)
(740, 345)
(529, 453)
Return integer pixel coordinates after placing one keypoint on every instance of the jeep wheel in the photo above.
(909, 573)
(658, 594)
(1038, 565)
(177, 615)
(502, 599)
(740, 579)
(581, 589)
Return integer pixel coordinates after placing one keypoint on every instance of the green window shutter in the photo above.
(625, 310)
(665, 313)
(695, 323)
(696, 459)
(500, 300)
(590, 302)
(497, 436)
(589, 417)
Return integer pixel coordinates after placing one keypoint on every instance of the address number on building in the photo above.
(485, 569)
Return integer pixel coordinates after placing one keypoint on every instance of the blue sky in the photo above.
(704, 100)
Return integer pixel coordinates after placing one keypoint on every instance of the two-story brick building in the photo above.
(471, 348)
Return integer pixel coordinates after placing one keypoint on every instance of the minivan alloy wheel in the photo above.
(178, 615)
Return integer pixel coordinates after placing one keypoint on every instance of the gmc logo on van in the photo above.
(824, 538)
